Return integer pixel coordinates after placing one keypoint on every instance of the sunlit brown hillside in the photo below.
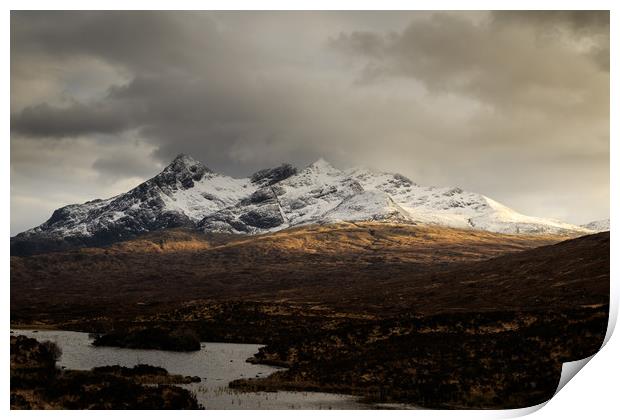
(306, 263)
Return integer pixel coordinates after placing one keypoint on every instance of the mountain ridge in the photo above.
(601, 225)
(187, 194)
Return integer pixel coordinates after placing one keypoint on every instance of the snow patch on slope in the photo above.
(210, 194)
(367, 206)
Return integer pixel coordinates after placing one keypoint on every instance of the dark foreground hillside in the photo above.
(489, 360)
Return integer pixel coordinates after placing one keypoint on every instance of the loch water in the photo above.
(216, 364)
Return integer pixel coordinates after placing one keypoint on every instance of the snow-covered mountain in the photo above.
(321, 193)
(188, 194)
(598, 225)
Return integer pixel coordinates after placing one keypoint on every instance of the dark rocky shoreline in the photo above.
(37, 383)
(152, 338)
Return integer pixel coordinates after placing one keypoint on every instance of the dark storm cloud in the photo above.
(138, 40)
(593, 24)
(44, 120)
(507, 59)
(442, 97)
(579, 21)
(192, 90)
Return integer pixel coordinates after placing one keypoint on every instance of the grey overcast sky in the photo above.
(514, 105)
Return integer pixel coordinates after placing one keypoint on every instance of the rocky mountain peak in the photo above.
(184, 162)
(323, 165)
(270, 176)
(183, 171)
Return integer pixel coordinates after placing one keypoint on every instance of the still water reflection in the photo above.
(216, 364)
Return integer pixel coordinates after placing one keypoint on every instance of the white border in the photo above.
(593, 394)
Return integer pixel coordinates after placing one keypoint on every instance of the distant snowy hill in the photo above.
(598, 225)
(188, 194)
